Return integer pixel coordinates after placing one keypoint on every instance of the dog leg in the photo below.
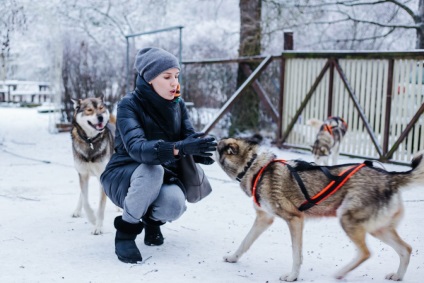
(84, 198)
(335, 154)
(100, 213)
(391, 237)
(296, 232)
(77, 211)
(262, 222)
(357, 234)
(325, 160)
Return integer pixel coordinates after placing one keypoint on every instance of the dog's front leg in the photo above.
(83, 179)
(262, 222)
(98, 229)
(296, 232)
(77, 211)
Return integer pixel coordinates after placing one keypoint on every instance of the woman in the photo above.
(153, 132)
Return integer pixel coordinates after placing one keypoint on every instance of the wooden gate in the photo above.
(380, 95)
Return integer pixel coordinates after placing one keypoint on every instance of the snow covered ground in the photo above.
(41, 242)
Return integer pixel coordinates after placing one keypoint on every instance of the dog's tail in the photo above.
(417, 165)
(314, 123)
(112, 118)
(416, 175)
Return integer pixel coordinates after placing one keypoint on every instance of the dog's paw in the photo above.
(289, 277)
(231, 258)
(97, 231)
(339, 276)
(393, 276)
(76, 215)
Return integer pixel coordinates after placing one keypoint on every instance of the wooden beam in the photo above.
(261, 93)
(230, 101)
(305, 101)
(359, 108)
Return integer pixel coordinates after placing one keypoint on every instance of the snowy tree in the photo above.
(347, 24)
(12, 20)
(250, 45)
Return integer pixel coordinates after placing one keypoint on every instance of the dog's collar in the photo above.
(88, 140)
(241, 174)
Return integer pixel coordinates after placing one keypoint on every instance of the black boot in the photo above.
(153, 235)
(125, 247)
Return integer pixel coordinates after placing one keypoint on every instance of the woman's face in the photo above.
(165, 84)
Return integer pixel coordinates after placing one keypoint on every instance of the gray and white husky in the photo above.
(92, 144)
(366, 199)
(327, 143)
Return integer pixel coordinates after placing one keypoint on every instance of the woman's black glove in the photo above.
(195, 145)
(203, 160)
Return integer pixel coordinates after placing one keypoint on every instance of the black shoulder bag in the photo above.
(193, 177)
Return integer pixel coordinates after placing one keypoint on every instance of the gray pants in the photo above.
(147, 190)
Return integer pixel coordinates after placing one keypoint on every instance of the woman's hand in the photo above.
(195, 145)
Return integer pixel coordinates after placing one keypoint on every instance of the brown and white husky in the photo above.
(366, 199)
(92, 135)
(327, 143)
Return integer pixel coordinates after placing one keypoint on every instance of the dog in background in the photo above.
(366, 199)
(93, 134)
(327, 142)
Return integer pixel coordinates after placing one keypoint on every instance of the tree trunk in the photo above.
(245, 113)
(420, 22)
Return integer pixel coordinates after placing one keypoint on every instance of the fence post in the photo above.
(288, 40)
(388, 110)
(330, 90)
(288, 45)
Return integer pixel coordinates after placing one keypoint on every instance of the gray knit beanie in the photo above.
(152, 61)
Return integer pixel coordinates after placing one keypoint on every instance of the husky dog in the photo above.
(330, 135)
(367, 202)
(92, 144)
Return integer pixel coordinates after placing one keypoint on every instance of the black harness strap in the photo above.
(328, 173)
(299, 182)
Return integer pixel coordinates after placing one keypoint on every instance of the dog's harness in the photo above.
(336, 183)
(88, 140)
(329, 129)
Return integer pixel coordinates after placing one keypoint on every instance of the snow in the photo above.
(41, 242)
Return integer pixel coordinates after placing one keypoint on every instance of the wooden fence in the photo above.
(379, 94)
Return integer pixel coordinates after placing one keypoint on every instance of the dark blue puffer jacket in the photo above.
(147, 126)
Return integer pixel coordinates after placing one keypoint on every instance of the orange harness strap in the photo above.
(258, 177)
(328, 129)
(330, 189)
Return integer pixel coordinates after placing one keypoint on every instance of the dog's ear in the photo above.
(233, 149)
(77, 103)
(255, 139)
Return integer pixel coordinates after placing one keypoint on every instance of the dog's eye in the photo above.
(101, 107)
(89, 110)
